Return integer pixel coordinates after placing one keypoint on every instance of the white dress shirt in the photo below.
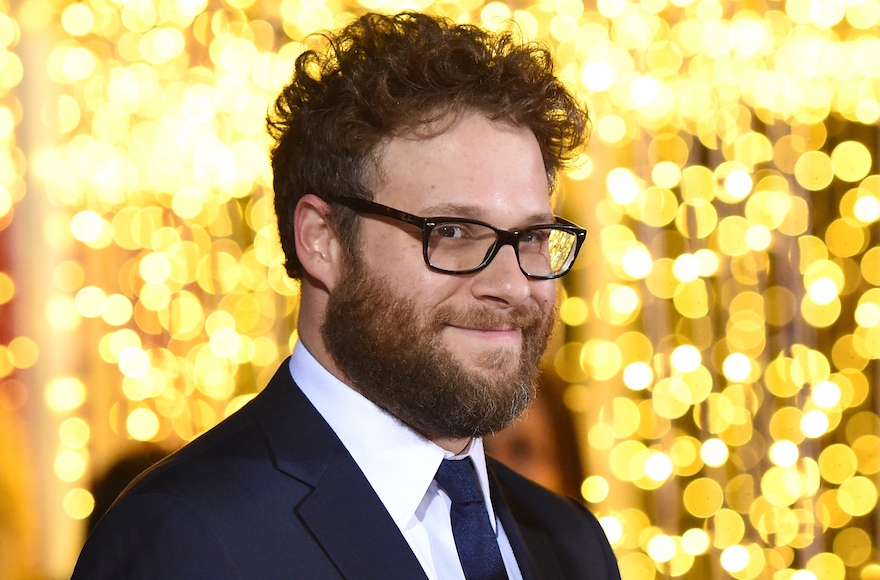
(400, 464)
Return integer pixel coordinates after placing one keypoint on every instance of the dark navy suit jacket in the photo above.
(272, 493)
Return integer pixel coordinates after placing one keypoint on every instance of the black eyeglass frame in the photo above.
(503, 237)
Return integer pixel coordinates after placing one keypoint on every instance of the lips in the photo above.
(486, 320)
(498, 335)
(506, 328)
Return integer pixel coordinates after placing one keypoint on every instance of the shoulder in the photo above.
(229, 458)
(152, 535)
(216, 476)
(199, 512)
(207, 461)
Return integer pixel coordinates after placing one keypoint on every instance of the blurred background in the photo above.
(711, 389)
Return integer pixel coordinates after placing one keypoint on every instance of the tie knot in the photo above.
(459, 480)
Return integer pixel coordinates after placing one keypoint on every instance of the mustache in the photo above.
(522, 317)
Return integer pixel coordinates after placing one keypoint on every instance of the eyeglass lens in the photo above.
(463, 246)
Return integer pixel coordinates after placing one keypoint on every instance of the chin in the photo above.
(495, 361)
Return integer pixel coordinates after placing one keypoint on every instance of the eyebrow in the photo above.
(473, 212)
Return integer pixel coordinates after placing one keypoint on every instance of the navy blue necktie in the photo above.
(474, 537)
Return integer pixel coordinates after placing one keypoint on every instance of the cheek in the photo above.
(544, 293)
(399, 261)
(434, 289)
(392, 254)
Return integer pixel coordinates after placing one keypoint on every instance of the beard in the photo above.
(394, 355)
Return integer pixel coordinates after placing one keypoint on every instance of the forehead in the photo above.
(486, 169)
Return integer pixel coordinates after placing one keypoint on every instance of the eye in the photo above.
(535, 236)
(453, 231)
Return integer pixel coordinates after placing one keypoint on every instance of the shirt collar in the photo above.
(399, 463)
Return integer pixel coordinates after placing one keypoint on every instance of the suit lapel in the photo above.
(530, 543)
(342, 512)
(350, 522)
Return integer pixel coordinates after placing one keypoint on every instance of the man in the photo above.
(418, 335)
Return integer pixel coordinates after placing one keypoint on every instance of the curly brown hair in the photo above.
(385, 75)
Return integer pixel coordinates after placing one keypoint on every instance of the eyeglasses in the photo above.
(462, 246)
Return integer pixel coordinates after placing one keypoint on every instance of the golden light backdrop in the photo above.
(720, 330)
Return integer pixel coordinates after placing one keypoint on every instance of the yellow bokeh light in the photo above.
(666, 174)
(6, 367)
(851, 161)
(610, 8)
(734, 558)
(695, 541)
(612, 528)
(837, 463)
(738, 184)
(661, 548)
(853, 545)
(624, 300)
(637, 262)
(23, 352)
(7, 288)
(826, 394)
(595, 489)
(74, 432)
(686, 358)
(77, 19)
(709, 262)
(823, 291)
(658, 467)
(686, 268)
(784, 453)
(7, 124)
(814, 170)
(155, 268)
(814, 424)
(867, 209)
(79, 503)
(70, 465)
(90, 301)
(758, 238)
(825, 565)
(225, 342)
(573, 311)
(737, 367)
(77, 63)
(638, 376)
(134, 362)
(857, 496)
(87, 226)
(494, 15)
(142, 424)
(645, 91)
(714, 452)
(65, 394)
(597, 76)
(611, 129)
(117, 310)
(867, 314)
(703, 497)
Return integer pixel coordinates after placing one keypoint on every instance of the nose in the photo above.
(502, 280)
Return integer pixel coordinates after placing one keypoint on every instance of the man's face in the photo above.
(452, 356)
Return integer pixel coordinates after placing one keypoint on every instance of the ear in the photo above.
(317, 246)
